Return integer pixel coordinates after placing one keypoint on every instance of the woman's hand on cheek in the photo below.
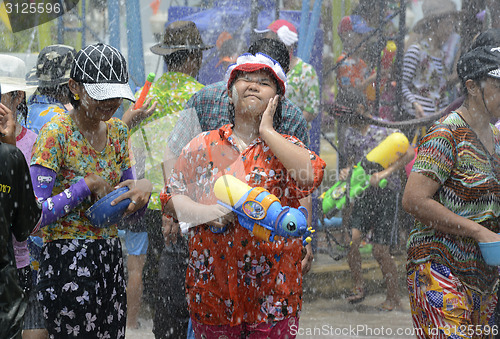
(266, 123)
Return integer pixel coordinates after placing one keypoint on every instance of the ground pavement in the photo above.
(326, 314)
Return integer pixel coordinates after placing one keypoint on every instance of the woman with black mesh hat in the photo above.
(78, 158)
(454, 194)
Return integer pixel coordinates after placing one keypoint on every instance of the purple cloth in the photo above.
(55, 207)
(24, 141)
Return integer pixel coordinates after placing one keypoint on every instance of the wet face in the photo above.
(13, 99)
(101, 110)
(491, 90)
(351, 40)
(251, 92)
(443, 27)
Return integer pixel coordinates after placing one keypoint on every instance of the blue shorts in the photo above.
(136, 242)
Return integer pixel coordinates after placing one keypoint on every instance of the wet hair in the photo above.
(178, 58)
(275, 49)
(60, 92)
(490, 37)
(22, 108)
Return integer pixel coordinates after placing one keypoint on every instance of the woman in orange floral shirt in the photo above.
(237, 284)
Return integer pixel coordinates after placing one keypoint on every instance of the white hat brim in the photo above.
(105, 91)
(9, 84)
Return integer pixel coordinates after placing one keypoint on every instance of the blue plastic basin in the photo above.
(102, 214)
(491, 252)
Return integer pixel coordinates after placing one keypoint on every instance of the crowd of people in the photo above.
(206, 276)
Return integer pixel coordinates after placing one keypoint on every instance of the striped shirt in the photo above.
(452, 155)
(424, 80)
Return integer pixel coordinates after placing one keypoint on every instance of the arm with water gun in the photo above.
(260, 211)
(391, 154)
(140, 111)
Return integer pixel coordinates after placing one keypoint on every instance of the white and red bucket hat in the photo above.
(251, 63)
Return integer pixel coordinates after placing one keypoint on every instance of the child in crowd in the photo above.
(377, 209)
(353, 70)
(224, 298)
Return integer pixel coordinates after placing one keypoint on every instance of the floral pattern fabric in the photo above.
(303, 87)
(41, 108)
(172, 91)
(61, 147)
(352, 72)
(234, 277)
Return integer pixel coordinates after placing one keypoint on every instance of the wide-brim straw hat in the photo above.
(180, 35)
(434, 10)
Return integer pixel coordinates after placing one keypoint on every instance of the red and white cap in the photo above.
(251, 63)
(285, 30)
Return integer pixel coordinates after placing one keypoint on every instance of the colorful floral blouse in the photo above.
(41, 108)
(303, 87)
(352, 72)
(234, 277)
(62, 148)
(452, 155)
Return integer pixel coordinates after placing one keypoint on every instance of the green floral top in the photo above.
(149, 139)
(303, 87)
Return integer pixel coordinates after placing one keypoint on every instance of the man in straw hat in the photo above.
(182, 50)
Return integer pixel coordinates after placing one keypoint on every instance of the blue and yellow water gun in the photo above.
(260, 211)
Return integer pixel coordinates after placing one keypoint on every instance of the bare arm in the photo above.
(371, 79)
(133, 117)
(183, 208)
(398, 164)
(295, 158)
(308, 116)
(418, 201)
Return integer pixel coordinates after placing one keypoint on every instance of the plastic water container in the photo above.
(389, 150)
(102, 214)
(491, 252)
